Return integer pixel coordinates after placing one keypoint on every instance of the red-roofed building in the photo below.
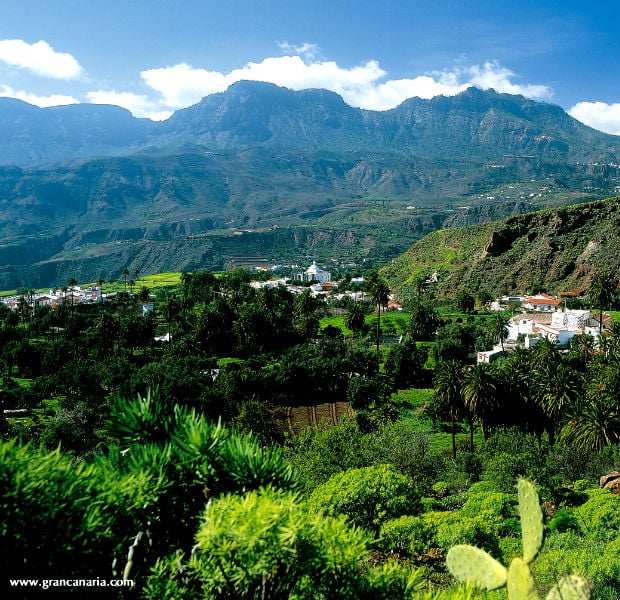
(541, 302)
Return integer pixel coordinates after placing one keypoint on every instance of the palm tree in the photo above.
(22, 308)
(602, 290)
(145, 293)
(108, 327)
(72, 283)
(545, 354)
(100, 283)
(594, 423)
(558, 388)
(355, 319)
(380, 297)
(448, 392)
(125, 276)
(171, 310)
(613, 339)
(582, 347)
(499, 328)
(479, 397)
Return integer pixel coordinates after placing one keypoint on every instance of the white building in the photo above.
(314, 273)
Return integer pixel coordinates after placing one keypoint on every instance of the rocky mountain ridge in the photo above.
(89, 189)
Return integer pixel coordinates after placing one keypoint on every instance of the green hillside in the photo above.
(554, 249)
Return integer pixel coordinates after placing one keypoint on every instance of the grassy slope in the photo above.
(556, 249)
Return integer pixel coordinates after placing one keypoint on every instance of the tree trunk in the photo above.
(453, 438)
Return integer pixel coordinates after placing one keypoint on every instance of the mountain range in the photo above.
(261, 174)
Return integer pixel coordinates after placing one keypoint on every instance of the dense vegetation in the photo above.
(269, 174)
(554, 250)
(165, 462)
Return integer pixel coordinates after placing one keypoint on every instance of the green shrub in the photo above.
(481, 486)
(266, 544)
(476, 531)
(431, 504)
(599, 517)
(581, 485)
(497, 504)
(368, 496)
(317, 454)
(511, 527)
(503, 469)
(415, 536)
(58, 516)
(407, 535)
(441, 488)
(454, 501)
(563, 520)
(568, 552)
(510, 547)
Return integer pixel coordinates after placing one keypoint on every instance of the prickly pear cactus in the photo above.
(472, 565)
(521, 585)
(531, 519)
(570, 587)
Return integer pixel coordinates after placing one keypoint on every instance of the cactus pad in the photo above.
(570, 587)
(472, 565)
(531, 519)
(521, 585)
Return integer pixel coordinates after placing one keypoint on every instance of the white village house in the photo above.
(314, 273)
(559, 327)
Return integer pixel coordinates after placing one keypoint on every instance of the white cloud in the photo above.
(182, 85)
(309, 51)
(39, 58)
(362, 86)
(138, 104)
(600, 115)
(42, 101)
(493, 75)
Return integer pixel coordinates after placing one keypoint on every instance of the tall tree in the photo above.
(601, 292)
(593, 424)
(447, 383)
(558, 388)
(72, 283)
(499, 328)
(480, 398)
(100, 283)
(581, 347)
(355, 319)
(423, 321)
(380, 294)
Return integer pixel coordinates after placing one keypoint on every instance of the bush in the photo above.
(599, 517)
(267, 544)
(496, 504)
(563, 520)
(57, 516)
(406, 535)
(317, 454)
(476, 531)
(454, 501)
(570, 462)
(406, 447)
(368, 496)
(568, 552)
(504, 469)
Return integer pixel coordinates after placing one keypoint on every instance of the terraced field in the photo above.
(298, 418)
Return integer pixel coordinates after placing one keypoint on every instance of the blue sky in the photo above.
(156, 56)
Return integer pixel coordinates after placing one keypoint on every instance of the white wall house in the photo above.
(314, 273)
(541, 302)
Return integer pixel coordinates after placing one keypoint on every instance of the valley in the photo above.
(261, 172)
